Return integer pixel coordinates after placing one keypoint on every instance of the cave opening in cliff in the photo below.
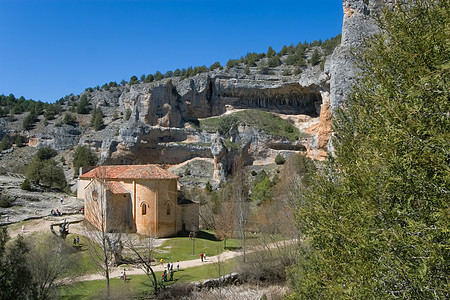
(290, 99)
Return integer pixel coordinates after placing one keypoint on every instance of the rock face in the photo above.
(358, 24)
(152, 122)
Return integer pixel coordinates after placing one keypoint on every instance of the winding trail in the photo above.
(43, 225)
(115, 273)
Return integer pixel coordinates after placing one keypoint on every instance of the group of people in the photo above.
(76, 241)
(203, 256)
(55, 213)
(169, 271)
(123, 276)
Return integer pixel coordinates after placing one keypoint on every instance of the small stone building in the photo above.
(136, 198)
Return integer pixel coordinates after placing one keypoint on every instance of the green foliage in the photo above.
(47, 152)
(330, 44)
(149, 78)
(5, 144)
(83, 105)
(251, 58)
(26, 185)
(20, 141)
(28, 122)
(375, 223)
(133, 80)
(51, 111)
(283, 51)
(17, 280)
(69, 119)
(208, 187)
(247, 70)
(322, 64)
(261, 188)
(127, 114)
(315, 58)
(177, 73)
(44, 170)
(286, 72)
(271, 52)
(274, 62)
(298, 71)
(97, 119)
(279, 159)
(263, 68)
(261, 120)
(83, 157)
(215, 66)
(158, 76)
(232, 63)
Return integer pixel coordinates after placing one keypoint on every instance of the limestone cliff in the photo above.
(155, 122)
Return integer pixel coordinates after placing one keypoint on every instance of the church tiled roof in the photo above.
(129, 172)
(116, 188)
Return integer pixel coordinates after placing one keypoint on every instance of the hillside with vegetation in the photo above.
(369, 221)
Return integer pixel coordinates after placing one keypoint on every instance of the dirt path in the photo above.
(116, 272)
(43, 225)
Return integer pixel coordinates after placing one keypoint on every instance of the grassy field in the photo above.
(180, 248)
(264, 121)
(137, 286)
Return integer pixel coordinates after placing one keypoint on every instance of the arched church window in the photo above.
(94, 195)
(168, 208)
(144, 209)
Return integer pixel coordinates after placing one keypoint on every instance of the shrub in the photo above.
(280, 160)
(83, 157)
(274, 62)
(26, 185)
(5, 144)
(46, 152)
(315, 58)
(127, 114)
(28, 122)
(83, 105)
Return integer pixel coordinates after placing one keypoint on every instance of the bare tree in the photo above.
(144, 255)
(51, 262)
(105, 247)
(224, 225)
(240, 198)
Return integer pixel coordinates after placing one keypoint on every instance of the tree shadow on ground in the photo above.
(206, 236)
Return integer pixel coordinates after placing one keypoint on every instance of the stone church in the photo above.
(136, 198)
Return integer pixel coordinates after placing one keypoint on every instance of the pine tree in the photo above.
(83, 105)
(375, 224)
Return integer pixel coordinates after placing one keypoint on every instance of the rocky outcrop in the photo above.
(358, 24)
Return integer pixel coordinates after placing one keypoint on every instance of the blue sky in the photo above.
(51, 48)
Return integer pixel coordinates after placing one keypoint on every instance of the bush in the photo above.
(83, 105)
(83, 157)
(280, 160)
(26, 185)
(69, 119)
(315, 58)
(46, 152)
(127, 114)
(97, 119)
(28, 122)
(20, 140)
(274, 62)
(5, 144)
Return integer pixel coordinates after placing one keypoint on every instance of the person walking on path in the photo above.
(162, 262)
(201, 256)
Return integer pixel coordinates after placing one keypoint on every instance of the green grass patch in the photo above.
(264, 121)
(138, 286)
(180, 248)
